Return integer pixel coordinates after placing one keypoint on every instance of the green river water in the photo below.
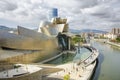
(109, 62)
(108, 67)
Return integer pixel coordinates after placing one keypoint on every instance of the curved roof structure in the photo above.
(54, 27)
(26, 40)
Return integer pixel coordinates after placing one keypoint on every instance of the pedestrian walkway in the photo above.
(76, 72)
(18, 70)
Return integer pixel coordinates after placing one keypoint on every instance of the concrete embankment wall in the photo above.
(114, 44)
(101, 40)
(108, 42)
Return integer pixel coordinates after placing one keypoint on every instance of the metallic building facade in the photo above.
(26, 47)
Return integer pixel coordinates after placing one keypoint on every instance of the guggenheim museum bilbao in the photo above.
(30, 46)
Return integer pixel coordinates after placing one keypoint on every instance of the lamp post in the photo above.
(79, 47)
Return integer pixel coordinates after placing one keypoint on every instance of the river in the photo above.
(108, 67)
(109, 62)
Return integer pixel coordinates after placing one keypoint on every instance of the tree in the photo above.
(77, 39)
(118, 39)
(67, 77)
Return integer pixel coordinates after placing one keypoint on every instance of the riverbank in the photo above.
(114, 44)
(108, 42)
(108, 66)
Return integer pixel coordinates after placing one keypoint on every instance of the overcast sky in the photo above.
(81, 14)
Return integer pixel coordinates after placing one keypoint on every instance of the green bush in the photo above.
(77, 39)
(67, 77)
(118, 39)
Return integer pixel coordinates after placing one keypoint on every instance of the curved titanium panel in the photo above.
(14, 41)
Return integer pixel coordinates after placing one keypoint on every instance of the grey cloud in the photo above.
(87, 3)
(100, 14)
(7, 5)
(115, 25)
(115, 20)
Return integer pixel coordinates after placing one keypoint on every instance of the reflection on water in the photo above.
(62, 59)
(84, 53)
(109, 62)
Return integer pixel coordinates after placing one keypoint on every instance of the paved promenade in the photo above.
(115, 44)
(76, 72)
(108, 42)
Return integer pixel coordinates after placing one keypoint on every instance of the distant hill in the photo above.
(87, 30)
(74, 31)
(6, 28)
